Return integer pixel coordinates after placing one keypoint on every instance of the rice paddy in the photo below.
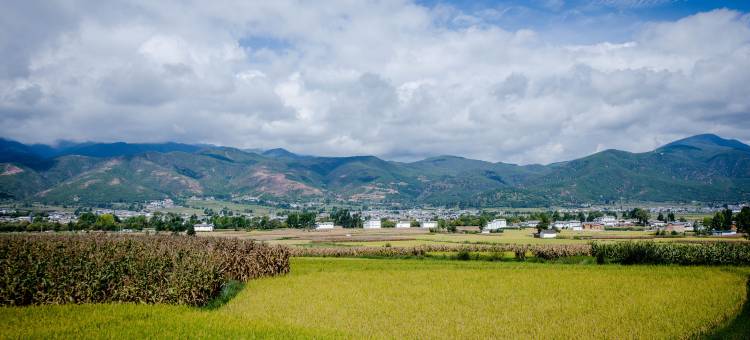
(388, 298)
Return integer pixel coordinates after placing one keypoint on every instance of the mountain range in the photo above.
(705, 168)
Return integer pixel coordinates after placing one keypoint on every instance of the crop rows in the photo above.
(716, 253)
(41, 269)
(520, 250)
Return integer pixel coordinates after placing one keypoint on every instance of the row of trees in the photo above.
(346, 218)
(723, 220)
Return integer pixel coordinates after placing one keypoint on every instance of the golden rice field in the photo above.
(387, 298)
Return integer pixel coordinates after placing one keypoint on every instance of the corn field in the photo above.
(92, 268)
(713, 253)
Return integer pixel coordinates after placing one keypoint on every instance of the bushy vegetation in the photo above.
(41, 269)
(547, 252)
(707, 253)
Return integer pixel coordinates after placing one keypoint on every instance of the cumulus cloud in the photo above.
(393, 78)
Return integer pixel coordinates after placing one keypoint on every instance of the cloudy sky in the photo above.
(513, 81)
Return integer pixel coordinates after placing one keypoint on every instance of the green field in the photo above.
(355, 298)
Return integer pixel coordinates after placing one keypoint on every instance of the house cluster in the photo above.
(161, 204)
(376, 224)
(417, 214)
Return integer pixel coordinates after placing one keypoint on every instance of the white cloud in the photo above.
(389, 78)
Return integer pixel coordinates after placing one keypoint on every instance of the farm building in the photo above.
(593, 226)
(496, 224)
(676, 227)
(372, 224)
(575, 225)
(428, 224)
(723, 233)
(203, 227)
(403, 224)
(324, 225)
(607, 221)
(657, 224)
(549, 233)
(530, 224)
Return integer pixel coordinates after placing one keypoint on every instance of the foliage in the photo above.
(708, 253)
(346, 219)
(642, 215)
(303, 220)
(40, 269)
(743, 221)
(544, 251)
(543, 222)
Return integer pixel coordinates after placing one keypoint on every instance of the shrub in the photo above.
(463, 255)
(543, 250)
(39, 269)
(716, 253)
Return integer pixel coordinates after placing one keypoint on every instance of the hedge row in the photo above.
(41, 269)
(718, 253)
(520, 250)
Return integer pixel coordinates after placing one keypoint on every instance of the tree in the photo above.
(670, 217)
(556, 216)
(191, 230)
(743, 221)
(292, 220)
(346, 219)
(717, 222)
(727, 218)
(581, 217)
(543, 223)
(641, 215)
(660, 217)
(706, 225)
(86, 221)
(136, 222)
(593, 215)
(105, 222)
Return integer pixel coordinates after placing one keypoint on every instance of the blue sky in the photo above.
(584, 21)
(513, 81)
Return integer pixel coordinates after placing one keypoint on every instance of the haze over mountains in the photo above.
(704, 168)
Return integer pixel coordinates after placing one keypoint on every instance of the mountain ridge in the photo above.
(701, 168)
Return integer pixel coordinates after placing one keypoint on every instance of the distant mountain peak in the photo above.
(280, 153)
(707, 142)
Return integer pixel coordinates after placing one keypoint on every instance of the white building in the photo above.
(547, 234)
(372, 224)
(496, 224)
(428, 224)
(530, 224)
(403, 224)
(575, 225)
(607, 221)
(203, 227)
(324, 225)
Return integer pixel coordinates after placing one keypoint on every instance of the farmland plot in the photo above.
(353, 298)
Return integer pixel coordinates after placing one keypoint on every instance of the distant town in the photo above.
(169, 216)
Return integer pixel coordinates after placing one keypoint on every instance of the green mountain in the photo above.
(700, 168)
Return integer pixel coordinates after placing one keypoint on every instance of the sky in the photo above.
(512, 81)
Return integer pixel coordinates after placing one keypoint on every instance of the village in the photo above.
(585, 219)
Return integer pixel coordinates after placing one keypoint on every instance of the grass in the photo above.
(357, 298)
